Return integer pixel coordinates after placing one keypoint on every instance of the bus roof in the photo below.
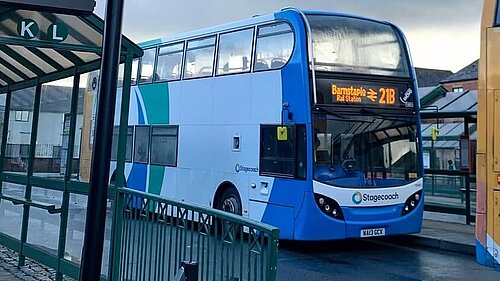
(243, 23)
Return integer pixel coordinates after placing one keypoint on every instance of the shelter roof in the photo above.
(32, 52)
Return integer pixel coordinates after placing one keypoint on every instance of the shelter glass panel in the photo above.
(76, 228)
(75, 171)
(19, 135)
(3, 99)
(11, 215)
(44, 227)
(51, 152)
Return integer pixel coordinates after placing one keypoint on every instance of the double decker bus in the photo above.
(308, 121)
(488, 139)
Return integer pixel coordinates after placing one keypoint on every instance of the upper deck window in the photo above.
(350, 45)
(235, 52)
(170, 62)
(147, 66)
(274, 46)
(200, 57)
(497, 18)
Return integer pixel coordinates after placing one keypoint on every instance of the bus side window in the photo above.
(128, 148)
(141, 148)
(135, 70)
(164, 145)
(169, 63)
(235, 49)
(200, 58)
(274, 46)
(147, 66)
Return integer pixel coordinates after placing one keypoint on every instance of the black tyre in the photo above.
(230, 202)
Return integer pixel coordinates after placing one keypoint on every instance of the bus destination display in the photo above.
(364, 94)
(359, 94)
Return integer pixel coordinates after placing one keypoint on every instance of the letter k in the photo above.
(26, 28)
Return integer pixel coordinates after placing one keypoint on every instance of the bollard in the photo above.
(190, 270)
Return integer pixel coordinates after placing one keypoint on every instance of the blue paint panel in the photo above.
(372, 213)
(283, 219)
(137, 178)
(484, 257)
(295, 90)
(140, 110)
(312, 224)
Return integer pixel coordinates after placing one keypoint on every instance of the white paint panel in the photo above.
(493, 248)
(169, 185)
(195, 147)
(257, 210)
(196, 101)
(174, 101)
(344, 196)
(231, 104)
(266, 101)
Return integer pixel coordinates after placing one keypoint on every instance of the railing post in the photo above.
(467, 198)
(273, 255)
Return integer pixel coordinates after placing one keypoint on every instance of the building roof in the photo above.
(430, 77)
(465, 74)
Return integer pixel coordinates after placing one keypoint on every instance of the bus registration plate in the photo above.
(372, 232)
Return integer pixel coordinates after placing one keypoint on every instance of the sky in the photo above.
(442, 34)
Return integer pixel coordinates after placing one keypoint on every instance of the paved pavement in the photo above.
(9, 271)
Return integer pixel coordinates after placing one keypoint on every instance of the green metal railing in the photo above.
(152, 236)
(157, 234)
(450, 192)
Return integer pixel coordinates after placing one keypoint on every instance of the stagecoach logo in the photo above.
(356, 197)
(240, 168)
(405, 98)
(359, 197)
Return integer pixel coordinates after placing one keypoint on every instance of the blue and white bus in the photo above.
(308, 121)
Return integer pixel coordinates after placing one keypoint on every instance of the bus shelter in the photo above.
(449, 134)
(44, 58)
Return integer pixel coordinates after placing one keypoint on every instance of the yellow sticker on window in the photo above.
(412, 175)
(282, 133)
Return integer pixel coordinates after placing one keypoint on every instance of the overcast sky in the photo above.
(443, 34)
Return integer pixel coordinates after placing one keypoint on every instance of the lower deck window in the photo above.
(164, 145)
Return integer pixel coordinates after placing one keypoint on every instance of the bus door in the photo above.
(281, 156)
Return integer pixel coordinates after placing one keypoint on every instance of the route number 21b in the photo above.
(387, 96)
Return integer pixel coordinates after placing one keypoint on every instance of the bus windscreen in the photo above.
(345, 44)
